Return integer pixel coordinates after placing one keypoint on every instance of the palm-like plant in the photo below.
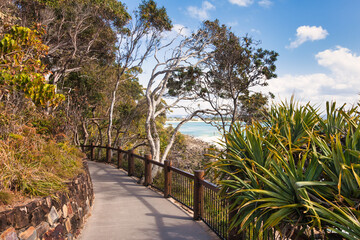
(291, 170)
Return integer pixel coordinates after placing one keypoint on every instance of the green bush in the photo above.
(296, 172)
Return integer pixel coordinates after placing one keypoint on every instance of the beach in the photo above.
(199, 130)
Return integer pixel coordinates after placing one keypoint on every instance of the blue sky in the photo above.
(318, 40)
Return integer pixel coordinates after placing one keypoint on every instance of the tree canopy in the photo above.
(22, 70)
(225, 79)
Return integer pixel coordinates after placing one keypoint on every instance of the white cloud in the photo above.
(242, 3)
(342, 84)
(341, 62)
(307, 33)
(201, 13)
(265, 3)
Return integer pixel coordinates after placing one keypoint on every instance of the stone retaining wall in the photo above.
(50, 218)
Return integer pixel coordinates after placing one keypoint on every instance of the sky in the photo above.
(318, 41)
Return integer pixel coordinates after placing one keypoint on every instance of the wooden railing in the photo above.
(191, 190)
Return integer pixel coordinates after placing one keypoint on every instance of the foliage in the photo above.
(5, 197)
(78, 32)
(21, 50)
(34, 166)
(154, 17)
(295, 171)
(253, 106)
(226, 77)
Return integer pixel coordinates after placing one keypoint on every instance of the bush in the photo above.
(35, 166)
(296, 172)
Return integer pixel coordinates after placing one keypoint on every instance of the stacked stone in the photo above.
(59, 217)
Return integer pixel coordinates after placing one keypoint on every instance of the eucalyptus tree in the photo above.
(135, 43)
(97, 33)
(188, 53)
(78, 32)
(226, 79)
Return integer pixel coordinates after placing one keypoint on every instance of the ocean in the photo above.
(199, 129)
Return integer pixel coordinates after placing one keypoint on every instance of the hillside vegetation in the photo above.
(33, 162)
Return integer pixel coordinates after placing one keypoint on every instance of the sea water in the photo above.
(199, 129)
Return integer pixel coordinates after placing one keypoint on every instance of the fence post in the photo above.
(119, 158)
(108, 153)
(198, 194)
(148, 178)
(131, 163)
(92, 157)
(167, 174)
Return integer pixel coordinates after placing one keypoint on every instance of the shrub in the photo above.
(36, 166)
(296, 172)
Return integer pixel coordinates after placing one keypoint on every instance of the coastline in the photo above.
(212, 140)
(199, 130)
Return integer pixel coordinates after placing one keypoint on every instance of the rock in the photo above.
(69, 236)
(9, 234)
(68, 225)
(29, 234)
(53, 216)
(65, 211)
(69, 209)
(75, 222)
(24, 209)
(45, 209)
(48, 202)
(60, 213)
(21, 218)
(64, 198)
(80, 212)
(37, 216)
(3, 222)
(55, 233)
(42, 228)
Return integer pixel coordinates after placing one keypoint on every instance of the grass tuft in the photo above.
(36, 166)
(5, 197)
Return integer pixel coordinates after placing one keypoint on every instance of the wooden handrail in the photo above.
(210, 185)
(157, 163)
(139, 157)
(181, 172)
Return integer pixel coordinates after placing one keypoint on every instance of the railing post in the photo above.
(198, 194)
(148, 178)
(131, 163)
(167, 174)
(119, 158)
(92, 157)
(108, 153)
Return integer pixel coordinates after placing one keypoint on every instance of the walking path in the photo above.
(125, 210)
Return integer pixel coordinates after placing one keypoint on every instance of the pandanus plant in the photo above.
(296, 173)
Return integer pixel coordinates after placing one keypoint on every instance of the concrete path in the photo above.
(126, 210)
